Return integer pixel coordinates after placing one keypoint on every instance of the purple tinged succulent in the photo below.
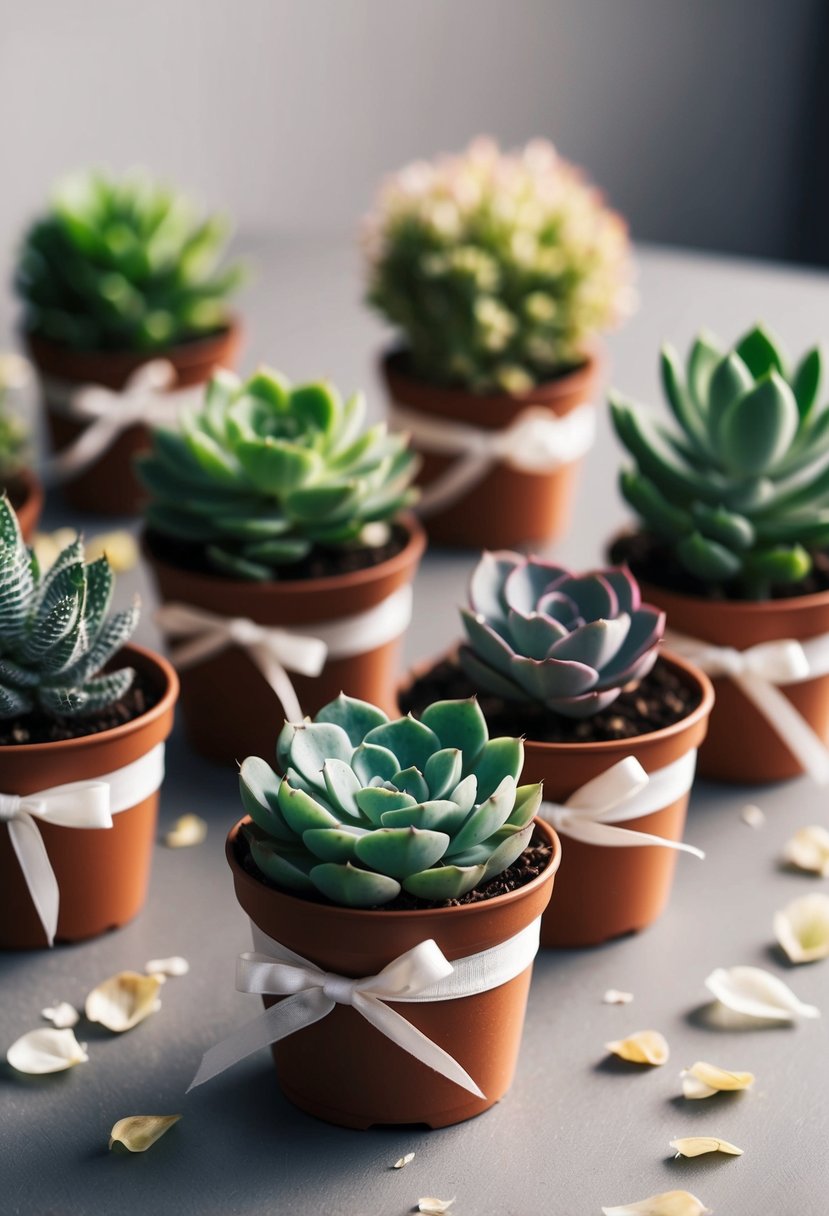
(537, 632)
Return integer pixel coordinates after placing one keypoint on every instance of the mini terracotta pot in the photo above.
(343, 1070)
(230, 711)
(26, 494)
(742, 745)
(508, 507)
(109, 486)
(102, 874)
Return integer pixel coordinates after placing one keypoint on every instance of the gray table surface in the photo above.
(577, 1131)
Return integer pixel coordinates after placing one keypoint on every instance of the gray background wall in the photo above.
(700, 118)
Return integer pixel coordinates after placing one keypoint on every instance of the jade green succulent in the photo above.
(368, 806)
(740, 491)
(497, 268)
(267, 471)
(123, 264)
(535, 632)
(55, 634)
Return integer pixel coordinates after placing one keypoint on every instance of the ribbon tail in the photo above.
(281, 1020)
(448, 487)
(279, 680)
(588, 831)
(36, 868)
(92, 443)
(395, 1027)
(788, 724)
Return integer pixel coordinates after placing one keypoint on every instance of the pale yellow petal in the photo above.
(61, 1015)
(703, 1080)
(802, 928)
(614, 996)
(401, 1161)
(434, 1207)
(186, 831)
(644, 1047)
(808, 850)
(47, 1049)
(124, 1000)
(140, 1132)
(695, 1146)
(119, 548)
(668, 1203)
(753, 815)
(175, 966)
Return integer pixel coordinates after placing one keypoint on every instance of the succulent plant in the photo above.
(741, 492)
(266, 471)
(536, 632)
(123, 264)
(498, 268)
(368, 806)
(13, 434)
(55, 635)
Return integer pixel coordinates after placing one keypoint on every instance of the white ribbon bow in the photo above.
(623, 792)
(758, 672)
(278, 650)
(419, 975)
(78, 804)
(145, 398)
(536, 441)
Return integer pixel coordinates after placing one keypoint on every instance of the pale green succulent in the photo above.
(55, 635)
(369, 806)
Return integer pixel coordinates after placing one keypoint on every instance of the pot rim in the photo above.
(163, 706)
(411, 552)
(547, 390)
(232, 329)
(358, 916)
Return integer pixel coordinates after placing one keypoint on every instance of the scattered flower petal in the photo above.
(124, 1000)
(668, 1203)
(46, 1050)
(802, 928)
(434, 1207)
(186, 831)
(644, 1047)
(808, 850)
(613, 996)
(119, 548)
(753, 815)
(695, 1146)
(703, 1080)
(62, 1015)
(140, 1132)
(176, 965)
(401, 1161)
(47, 545)
(756, 993)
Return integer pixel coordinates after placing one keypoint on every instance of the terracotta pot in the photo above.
(109, 486)
(230, 711)
(742, 745)
(343, 1070)
(102, 874)
(507, 507)
(26, 494)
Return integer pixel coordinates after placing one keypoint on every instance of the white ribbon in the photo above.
(536, 441)
(277, 650)
(78, 804)
(623, 792)
(420, 974)
(107, 413)
(758, 672)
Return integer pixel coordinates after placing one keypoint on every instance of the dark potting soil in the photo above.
(38, 728)
(652, 561)
(321, 562)
(532, 862)
(657, 701)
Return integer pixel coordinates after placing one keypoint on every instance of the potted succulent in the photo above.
(610, 725)
(394, 876)
(277, 534)
(122, 298)
(17, 480)
(83, 719)
(734, 527)
(499, 271)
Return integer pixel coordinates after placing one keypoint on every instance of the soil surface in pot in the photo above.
(38, 728)
(654, 703)
(532, 862)
(320, 562)
(652, 561)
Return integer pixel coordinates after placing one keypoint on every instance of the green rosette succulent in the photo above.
(266, 471)
(739, 490)
(368, 806)
(55, 634)
(124, 264)
(537, 633)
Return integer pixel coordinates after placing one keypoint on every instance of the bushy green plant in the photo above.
(266, 471)
(369, 806)
(740, 493)
(498, 269)
(55, 634)
(123, 264)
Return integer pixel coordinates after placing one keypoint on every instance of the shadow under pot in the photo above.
(519, 490)
(236, 643)
(101, 873)
(343, 1069)
(105, 483)
(26, 495)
